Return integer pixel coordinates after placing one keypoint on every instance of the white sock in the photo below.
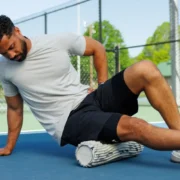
(94, 153)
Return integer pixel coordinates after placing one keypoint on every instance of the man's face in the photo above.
(14, 47)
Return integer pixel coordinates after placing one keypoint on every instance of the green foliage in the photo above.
(157, 53)
(111, 38)
(84, 68)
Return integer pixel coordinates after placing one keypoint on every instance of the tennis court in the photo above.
(37, 156)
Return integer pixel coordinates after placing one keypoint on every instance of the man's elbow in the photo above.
(17, 110)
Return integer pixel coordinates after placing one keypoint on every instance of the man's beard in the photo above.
(24, 51)
(23, 54)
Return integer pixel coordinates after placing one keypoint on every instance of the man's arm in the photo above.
(15, 121)
(98, 52)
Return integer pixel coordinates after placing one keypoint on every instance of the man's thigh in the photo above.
(90, 123)
(115, 96)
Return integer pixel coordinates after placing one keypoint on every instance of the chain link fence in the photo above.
(2, 101)
(87, 71)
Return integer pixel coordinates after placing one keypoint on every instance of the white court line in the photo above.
(27, 132)
(39, 131)
(159, 122)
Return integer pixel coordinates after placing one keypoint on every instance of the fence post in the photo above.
(45, 23)
(91, 59)
(100, 21)
(117, 64)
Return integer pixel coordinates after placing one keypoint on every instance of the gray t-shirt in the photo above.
(46, 79)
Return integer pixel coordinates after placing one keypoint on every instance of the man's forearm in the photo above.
(97, 50)
(101, 66)
(15, 119)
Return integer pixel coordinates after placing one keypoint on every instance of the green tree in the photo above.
(157, 53)
(111, 38)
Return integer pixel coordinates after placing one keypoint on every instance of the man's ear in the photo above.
(17, 30)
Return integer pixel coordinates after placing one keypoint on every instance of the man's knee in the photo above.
(147, 70)
(131, 128)
(141, 74)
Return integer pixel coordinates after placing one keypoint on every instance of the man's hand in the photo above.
(90, 90)
(5, 151)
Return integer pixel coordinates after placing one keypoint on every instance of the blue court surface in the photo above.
(38, 157)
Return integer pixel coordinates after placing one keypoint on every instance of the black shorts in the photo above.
(97, 116)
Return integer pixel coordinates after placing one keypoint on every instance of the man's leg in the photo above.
(135, 129)
(144, 76)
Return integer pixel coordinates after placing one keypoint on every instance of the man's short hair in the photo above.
(6, 26)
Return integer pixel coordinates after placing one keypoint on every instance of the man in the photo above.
(38, 71)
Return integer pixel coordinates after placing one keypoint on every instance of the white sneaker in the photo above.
(94, 153)
(175, 156)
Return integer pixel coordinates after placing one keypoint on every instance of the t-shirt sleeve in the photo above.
(75, 44)
(10, 89)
